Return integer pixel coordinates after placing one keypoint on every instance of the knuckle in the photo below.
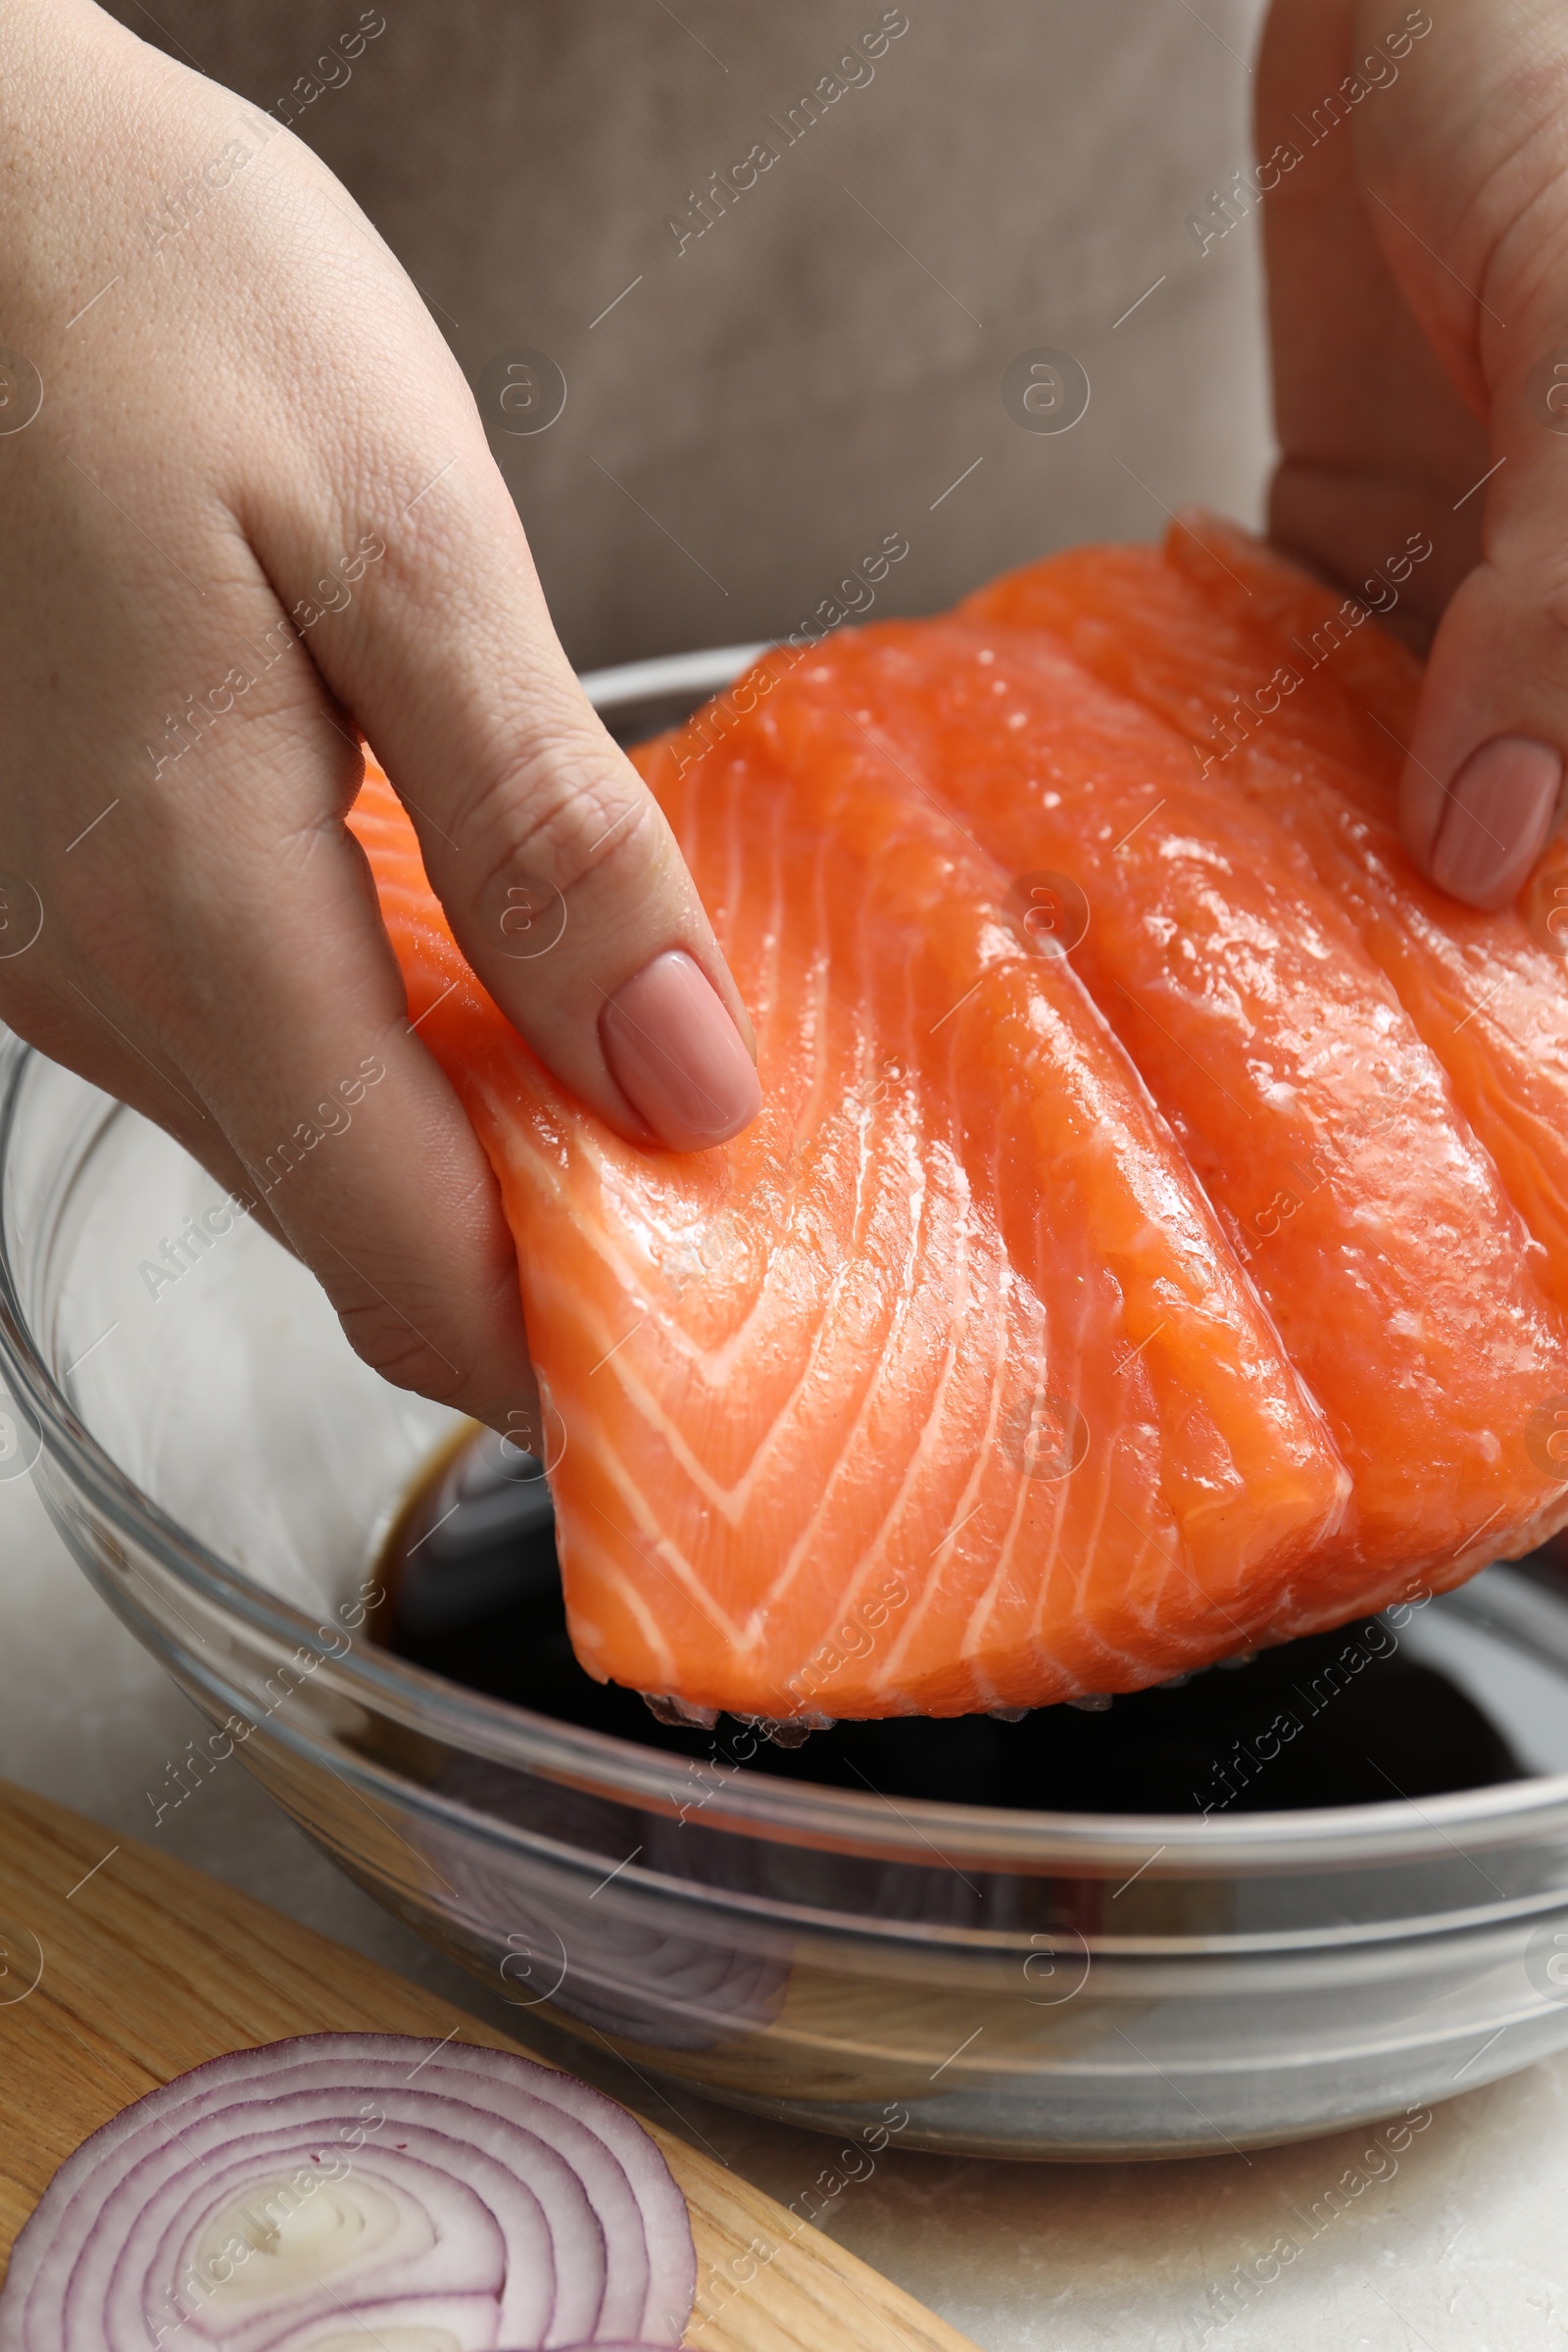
(401, 1355)
(566, 827)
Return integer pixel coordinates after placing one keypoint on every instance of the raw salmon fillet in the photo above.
(1155, 1241)
(1286, 698)
(1371, 1220)
(938, 1390)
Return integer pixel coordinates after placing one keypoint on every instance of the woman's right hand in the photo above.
(1418, 290)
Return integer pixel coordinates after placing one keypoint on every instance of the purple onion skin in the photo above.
(290, 2090)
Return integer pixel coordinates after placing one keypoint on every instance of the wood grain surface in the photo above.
(120, 1968)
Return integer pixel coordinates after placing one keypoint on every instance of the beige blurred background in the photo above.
(814, 372)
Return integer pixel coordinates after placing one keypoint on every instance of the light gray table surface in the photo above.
(1457, 2244)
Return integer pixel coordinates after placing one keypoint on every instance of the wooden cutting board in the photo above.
(120, 1968)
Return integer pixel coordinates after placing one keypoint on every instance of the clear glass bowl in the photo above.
(1046, 1985)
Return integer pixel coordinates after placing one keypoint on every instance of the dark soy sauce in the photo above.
(475, 1594)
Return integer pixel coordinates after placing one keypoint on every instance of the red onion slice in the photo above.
(448, 2197)
(671, 2288)
(630, 2289)
(624, 2282)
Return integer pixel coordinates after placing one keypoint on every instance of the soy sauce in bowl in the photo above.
(1344, 1718)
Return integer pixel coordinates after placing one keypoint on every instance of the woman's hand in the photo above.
(249, 509)
(1418, 274)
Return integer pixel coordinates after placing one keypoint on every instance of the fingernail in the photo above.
(1497, 814)
(674, 1050)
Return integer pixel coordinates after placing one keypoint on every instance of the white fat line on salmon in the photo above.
(919, 1202)
(1173, 1561)
(609, 1351)
(723, 1634)
(731, 1501)
(999, 1413)
(805, 1541)
(869, 1615)
(954, 1532)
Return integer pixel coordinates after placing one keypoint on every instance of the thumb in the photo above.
(1468, 190)
(559, 873)
(1482, 783)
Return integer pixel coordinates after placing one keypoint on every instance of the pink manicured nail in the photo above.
(1496, 818)
(675, 1050)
